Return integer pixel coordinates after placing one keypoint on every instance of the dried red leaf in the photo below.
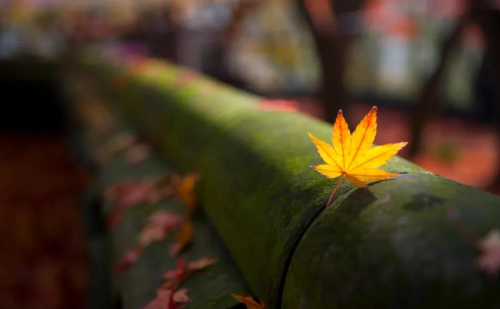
(180, 296)
(176, 276)
(115, 216)
(165, 219)
(128, 194)
(177, 273)
(278, 105)
(169, 299)
(128, 259)
(158, 226)
(132, 193)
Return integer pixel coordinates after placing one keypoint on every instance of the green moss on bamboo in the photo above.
(261, 195)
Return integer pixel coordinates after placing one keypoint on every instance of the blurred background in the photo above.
(431, 66)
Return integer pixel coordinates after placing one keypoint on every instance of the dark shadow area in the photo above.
(423, 202)
(30, 98)
(44, 260)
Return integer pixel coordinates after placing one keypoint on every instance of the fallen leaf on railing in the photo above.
(117, 144)
(133, 192)
(127, 194)
(156, 229)
(164, 219)
(159, 225)
(137, 154)
(169, 299)
(182, 237)
(489, 260)
(129, 258)
(180, 296)
(249, 302)
(352, 156)
(278, 105)
(177, 276)
(202, 263)
(185, 190)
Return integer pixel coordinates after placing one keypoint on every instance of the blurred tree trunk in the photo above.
(487, 17)
(240, 12)
(427, 100)
(331, 47)
(489, 21)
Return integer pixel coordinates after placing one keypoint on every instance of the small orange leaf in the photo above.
(185, 191)
(352, 156)
(249, 302)
(183, 237)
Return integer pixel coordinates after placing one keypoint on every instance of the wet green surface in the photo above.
(393, 246)
(137, 285)
(262, 197)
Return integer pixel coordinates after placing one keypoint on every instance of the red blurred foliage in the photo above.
(43, 260)
(278, 105)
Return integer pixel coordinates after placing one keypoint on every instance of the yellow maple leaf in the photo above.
(352, 156)
(249, 302)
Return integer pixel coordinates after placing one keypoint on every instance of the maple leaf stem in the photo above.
(335, 190)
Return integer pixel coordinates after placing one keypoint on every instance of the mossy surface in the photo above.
(137, 285)
(258, 189)
(394, 246)
(396, 249)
